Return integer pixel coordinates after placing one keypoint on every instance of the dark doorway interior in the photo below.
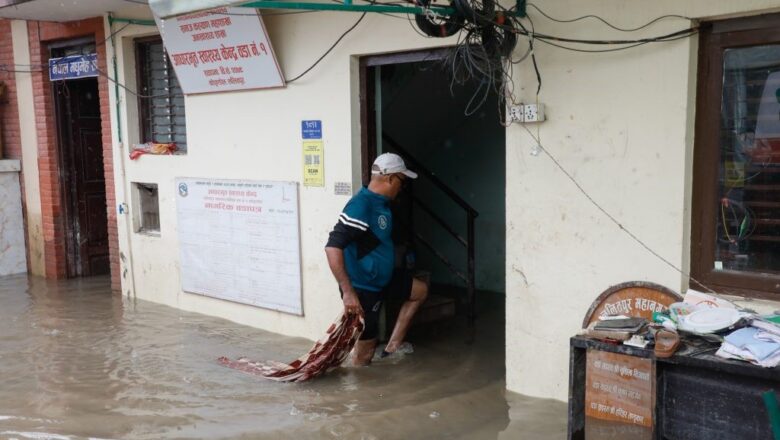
(458, 146)
(82, 176)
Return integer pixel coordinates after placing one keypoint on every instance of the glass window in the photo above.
(748, 212)
(161, 110)
(735, 228)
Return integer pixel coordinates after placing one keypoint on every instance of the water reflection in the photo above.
(79, 362)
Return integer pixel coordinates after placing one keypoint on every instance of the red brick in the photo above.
(40, 33)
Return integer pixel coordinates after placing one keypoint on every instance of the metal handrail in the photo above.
(440, 221)
(470, 277)
(441, 257)
(420, 169)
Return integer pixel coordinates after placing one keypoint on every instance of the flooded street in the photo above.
(79, 362)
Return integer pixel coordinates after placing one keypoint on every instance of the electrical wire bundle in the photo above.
(489, 33)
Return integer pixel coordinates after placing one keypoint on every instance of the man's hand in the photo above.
(350, 298)
(352, 304)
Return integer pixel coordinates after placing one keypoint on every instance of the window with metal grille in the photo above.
(161, 108)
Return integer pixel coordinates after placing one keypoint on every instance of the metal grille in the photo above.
(162, 113)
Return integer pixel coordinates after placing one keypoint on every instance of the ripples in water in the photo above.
(80, 362)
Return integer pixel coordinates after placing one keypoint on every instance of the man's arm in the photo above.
(336, 263)
(346, 231)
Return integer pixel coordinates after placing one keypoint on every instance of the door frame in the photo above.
(70, 220)
(367, 95)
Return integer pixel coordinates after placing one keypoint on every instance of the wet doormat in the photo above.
(328, 353)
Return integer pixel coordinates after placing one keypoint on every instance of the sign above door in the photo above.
(220, 50)
(73, 67)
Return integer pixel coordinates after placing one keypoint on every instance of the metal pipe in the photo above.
(111, 20)
(137, 21)
(123, 177)
(441, 10)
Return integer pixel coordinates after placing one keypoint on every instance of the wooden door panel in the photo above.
(92, 158)
(96, 225)
(81, 141)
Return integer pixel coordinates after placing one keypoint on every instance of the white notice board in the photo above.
(220, 50)
(240, 241)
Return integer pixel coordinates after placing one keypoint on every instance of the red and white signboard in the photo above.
(220, 50)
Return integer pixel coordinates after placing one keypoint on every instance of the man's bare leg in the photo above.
(408, 309)
(363, 352)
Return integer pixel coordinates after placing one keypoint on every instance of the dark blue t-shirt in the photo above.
(364, 233)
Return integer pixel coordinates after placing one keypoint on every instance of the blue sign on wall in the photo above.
(73, 67)
(311, 129)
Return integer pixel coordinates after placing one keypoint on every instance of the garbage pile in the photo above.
(700, 320)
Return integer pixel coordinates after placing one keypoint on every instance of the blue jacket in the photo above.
(363, 231)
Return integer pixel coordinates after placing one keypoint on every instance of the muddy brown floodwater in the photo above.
(78, 362)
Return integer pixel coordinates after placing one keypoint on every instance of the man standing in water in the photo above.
(361, 256)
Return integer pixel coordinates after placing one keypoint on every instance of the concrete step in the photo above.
(436, 308)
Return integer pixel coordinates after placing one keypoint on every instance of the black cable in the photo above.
(362, 16)
(333, 46)
(608, 23)
(103, 74)
(573, 49)
(63, 59)
(522, 31)
(594, 50)
(533, 54)
(610, 42)
(607, 214)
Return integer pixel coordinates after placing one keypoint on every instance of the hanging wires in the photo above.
(606, 213)
(596, 17)
(330, 49)
(475, 55)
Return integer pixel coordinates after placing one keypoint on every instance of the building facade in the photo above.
(632, 127)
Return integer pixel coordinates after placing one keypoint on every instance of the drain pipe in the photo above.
(122, 207)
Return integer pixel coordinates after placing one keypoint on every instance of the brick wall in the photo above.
(9, 112)
(40, 33)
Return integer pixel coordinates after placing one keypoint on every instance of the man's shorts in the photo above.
(399, 288)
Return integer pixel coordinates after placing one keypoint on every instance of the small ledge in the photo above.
(10, 165)
(155, 234)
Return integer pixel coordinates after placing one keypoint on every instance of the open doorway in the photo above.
(82, 177)
(452, 220)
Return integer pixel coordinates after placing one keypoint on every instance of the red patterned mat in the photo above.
(328, 353)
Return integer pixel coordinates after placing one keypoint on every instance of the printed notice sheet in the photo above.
(240, 241)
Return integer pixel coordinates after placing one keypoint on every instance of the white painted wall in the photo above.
(29, 140)
(622, 123)
(256, 135)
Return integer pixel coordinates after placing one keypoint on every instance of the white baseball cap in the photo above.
(389, 163)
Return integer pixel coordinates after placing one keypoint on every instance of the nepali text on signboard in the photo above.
(619, 388)
(239, 241)
(73, 67)
(313, 167)
(311, 129)
(220, 50)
